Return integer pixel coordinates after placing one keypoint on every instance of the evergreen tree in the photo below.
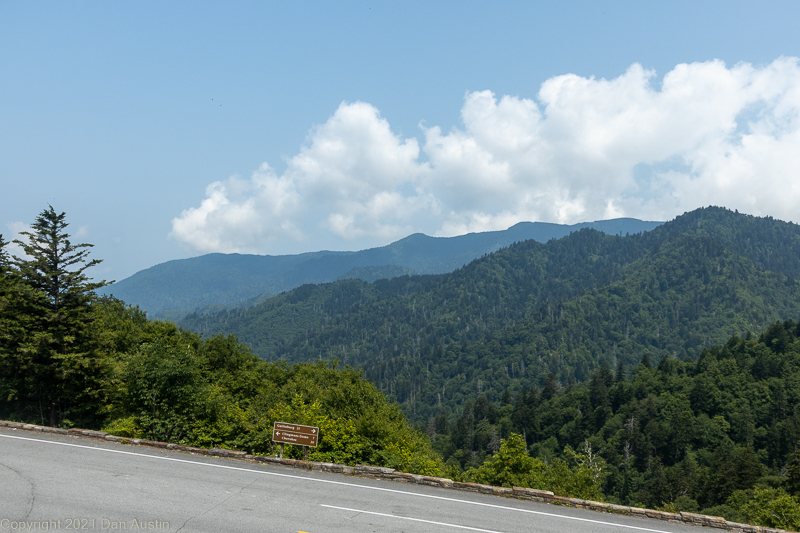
(55, 265)
(619, 375)
(20, 318)
(550, 388)
(3, 256)
(793, 478)
(56, 365)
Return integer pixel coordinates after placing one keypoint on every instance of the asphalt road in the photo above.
(61, 483)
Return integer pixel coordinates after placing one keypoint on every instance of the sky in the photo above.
(167, 130)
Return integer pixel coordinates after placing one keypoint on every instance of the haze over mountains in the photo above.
(507, 320)
(214, 281)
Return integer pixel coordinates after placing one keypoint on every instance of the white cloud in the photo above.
(348, 180)
(16, 229)
(582, 149)
(241, 215)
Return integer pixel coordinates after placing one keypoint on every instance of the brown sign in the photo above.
(295, 434)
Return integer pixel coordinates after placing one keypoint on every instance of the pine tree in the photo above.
(59, 367)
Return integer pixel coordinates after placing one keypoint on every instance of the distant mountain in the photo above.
(175, 288)
(507, 320)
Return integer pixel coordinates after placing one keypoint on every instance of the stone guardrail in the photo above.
(390, 474)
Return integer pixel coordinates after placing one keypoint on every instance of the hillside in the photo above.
(174, 288)
(717, 435)
(566, 306)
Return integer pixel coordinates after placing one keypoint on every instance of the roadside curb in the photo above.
(390, 474)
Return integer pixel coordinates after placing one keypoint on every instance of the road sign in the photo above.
(295, 434)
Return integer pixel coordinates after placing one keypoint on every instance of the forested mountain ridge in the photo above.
(173, 289)
(508, 319)
(667, 308)
(490, 293)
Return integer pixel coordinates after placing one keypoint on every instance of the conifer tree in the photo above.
(58, 365)
(19, 318)
(793, 478)
(6, 317)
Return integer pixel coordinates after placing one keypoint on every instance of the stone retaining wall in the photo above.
(390, 474)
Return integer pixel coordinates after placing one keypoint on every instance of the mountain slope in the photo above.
(508, 319)
(233, 279)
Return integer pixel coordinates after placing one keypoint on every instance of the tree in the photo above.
(7, 320)
(20, 318)
(55, 265)
(793, 478)
(733, 468)
(512, 466)
(166, 390)
(3, 256)
(58, 362)
(772, 508)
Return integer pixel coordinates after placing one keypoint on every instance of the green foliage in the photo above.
(173, 385)
(512, 466)
(374, 273)
(54, 265)
(772, 508)
(77, 359)
(53, 370)
(681, 503)
(509, 320)
(679, 435)
(165, 390)
(129, 427)
(504, 399)
(793, 474)
(357, 423)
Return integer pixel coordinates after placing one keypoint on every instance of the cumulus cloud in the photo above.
(242, 215)
(351, 180)
(581, 149)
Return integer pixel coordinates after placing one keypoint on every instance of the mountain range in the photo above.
(215, 281)
(510, 319)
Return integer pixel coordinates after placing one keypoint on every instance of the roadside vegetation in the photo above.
(70, 358)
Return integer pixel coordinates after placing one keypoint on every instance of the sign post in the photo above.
(304, 436)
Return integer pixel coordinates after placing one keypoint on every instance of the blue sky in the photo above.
(167, 130)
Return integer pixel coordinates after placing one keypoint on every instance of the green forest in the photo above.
(676, 434)
(658, 370)
(509, 319)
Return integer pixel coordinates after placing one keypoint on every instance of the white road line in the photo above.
(317, 480)
(412, 519)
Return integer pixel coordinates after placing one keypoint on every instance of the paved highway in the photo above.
(61, 483)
